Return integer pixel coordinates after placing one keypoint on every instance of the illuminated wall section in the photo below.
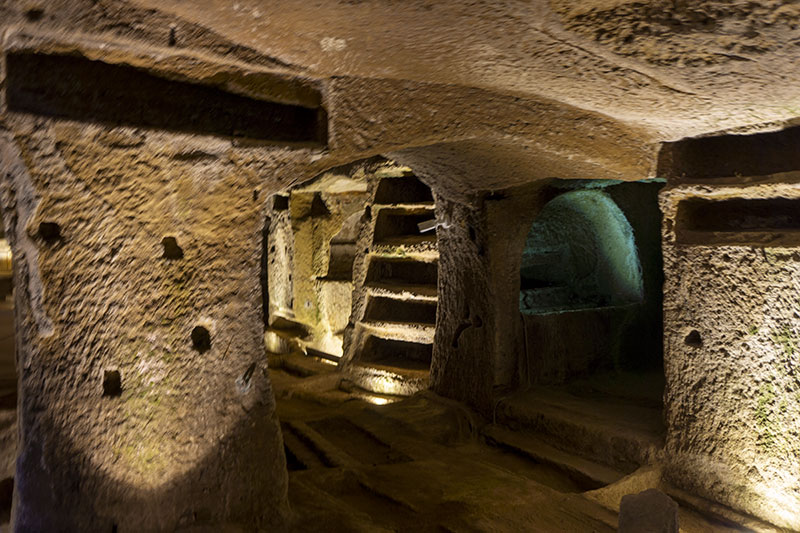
(145, 401)
(732, 327)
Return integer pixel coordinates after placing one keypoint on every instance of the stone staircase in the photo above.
(390, 340)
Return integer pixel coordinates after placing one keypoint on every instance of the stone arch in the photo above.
(580, 252)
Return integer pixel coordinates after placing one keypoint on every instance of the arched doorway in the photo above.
(590, 371)
(580, 285)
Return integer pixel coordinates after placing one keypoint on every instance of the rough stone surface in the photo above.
(318, 211)
(731, 353)
(476, 98)
(186, 427)
(650, 511)
(478, 332)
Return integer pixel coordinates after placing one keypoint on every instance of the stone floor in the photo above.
(427, 464)
(364, 462)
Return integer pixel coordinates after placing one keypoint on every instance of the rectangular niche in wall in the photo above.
(739, 221)
(405, 190)
(77, 88)
(401, 226)
(396, 353)
(732, 157)
(401, 311)
(402, 272)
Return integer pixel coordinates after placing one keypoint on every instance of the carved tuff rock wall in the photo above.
(321, 295)
(732, 341)
(144, 398)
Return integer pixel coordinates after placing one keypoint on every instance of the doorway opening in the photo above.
(591, 374)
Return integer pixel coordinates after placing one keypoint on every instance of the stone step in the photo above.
(587, 474)
(618, 433)
(388, 379)
(396, 311)
(313, 443)
(406, 244)
(425, 293)
(406, 207)
(414, 332)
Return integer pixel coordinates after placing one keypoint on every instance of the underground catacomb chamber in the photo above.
(454, 337)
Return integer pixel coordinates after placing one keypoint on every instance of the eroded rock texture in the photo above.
(731, 341)
(129, 416)
(145, 401)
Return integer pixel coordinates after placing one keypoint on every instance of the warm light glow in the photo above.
(779, 500)
(330, 344)
(5, 257)
(375, 400)
(274, 343)
(385, 384)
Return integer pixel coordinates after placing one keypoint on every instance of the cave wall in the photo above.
(732, 341)
(144, 398)
(321, 298)
(478, 338)
(190, 418)
(280, 259)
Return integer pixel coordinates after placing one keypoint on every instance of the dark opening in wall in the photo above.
(398, 354)
(76, 88)
(6, 497)
(725, 156)
(266, 249)
(406, 190)
(171, 248)
(50, 232)
(693, 339)
(756, 222)
(399, 226)
(340, 264)
(112, 383)
(343, 250)
(591, 284)
(381, 309)
(402, 272)
(580, 253)
(318, 207)
(280, 202)
(201, 339)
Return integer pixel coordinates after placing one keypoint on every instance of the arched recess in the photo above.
(579, 253)
(589, 286)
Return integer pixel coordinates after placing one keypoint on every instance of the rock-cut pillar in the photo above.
(145, 403)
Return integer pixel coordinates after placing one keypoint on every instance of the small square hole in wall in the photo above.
(50, 232)
(201, 339)
(280, 203)
(112, 383)
(694, 339)
(171, 248)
